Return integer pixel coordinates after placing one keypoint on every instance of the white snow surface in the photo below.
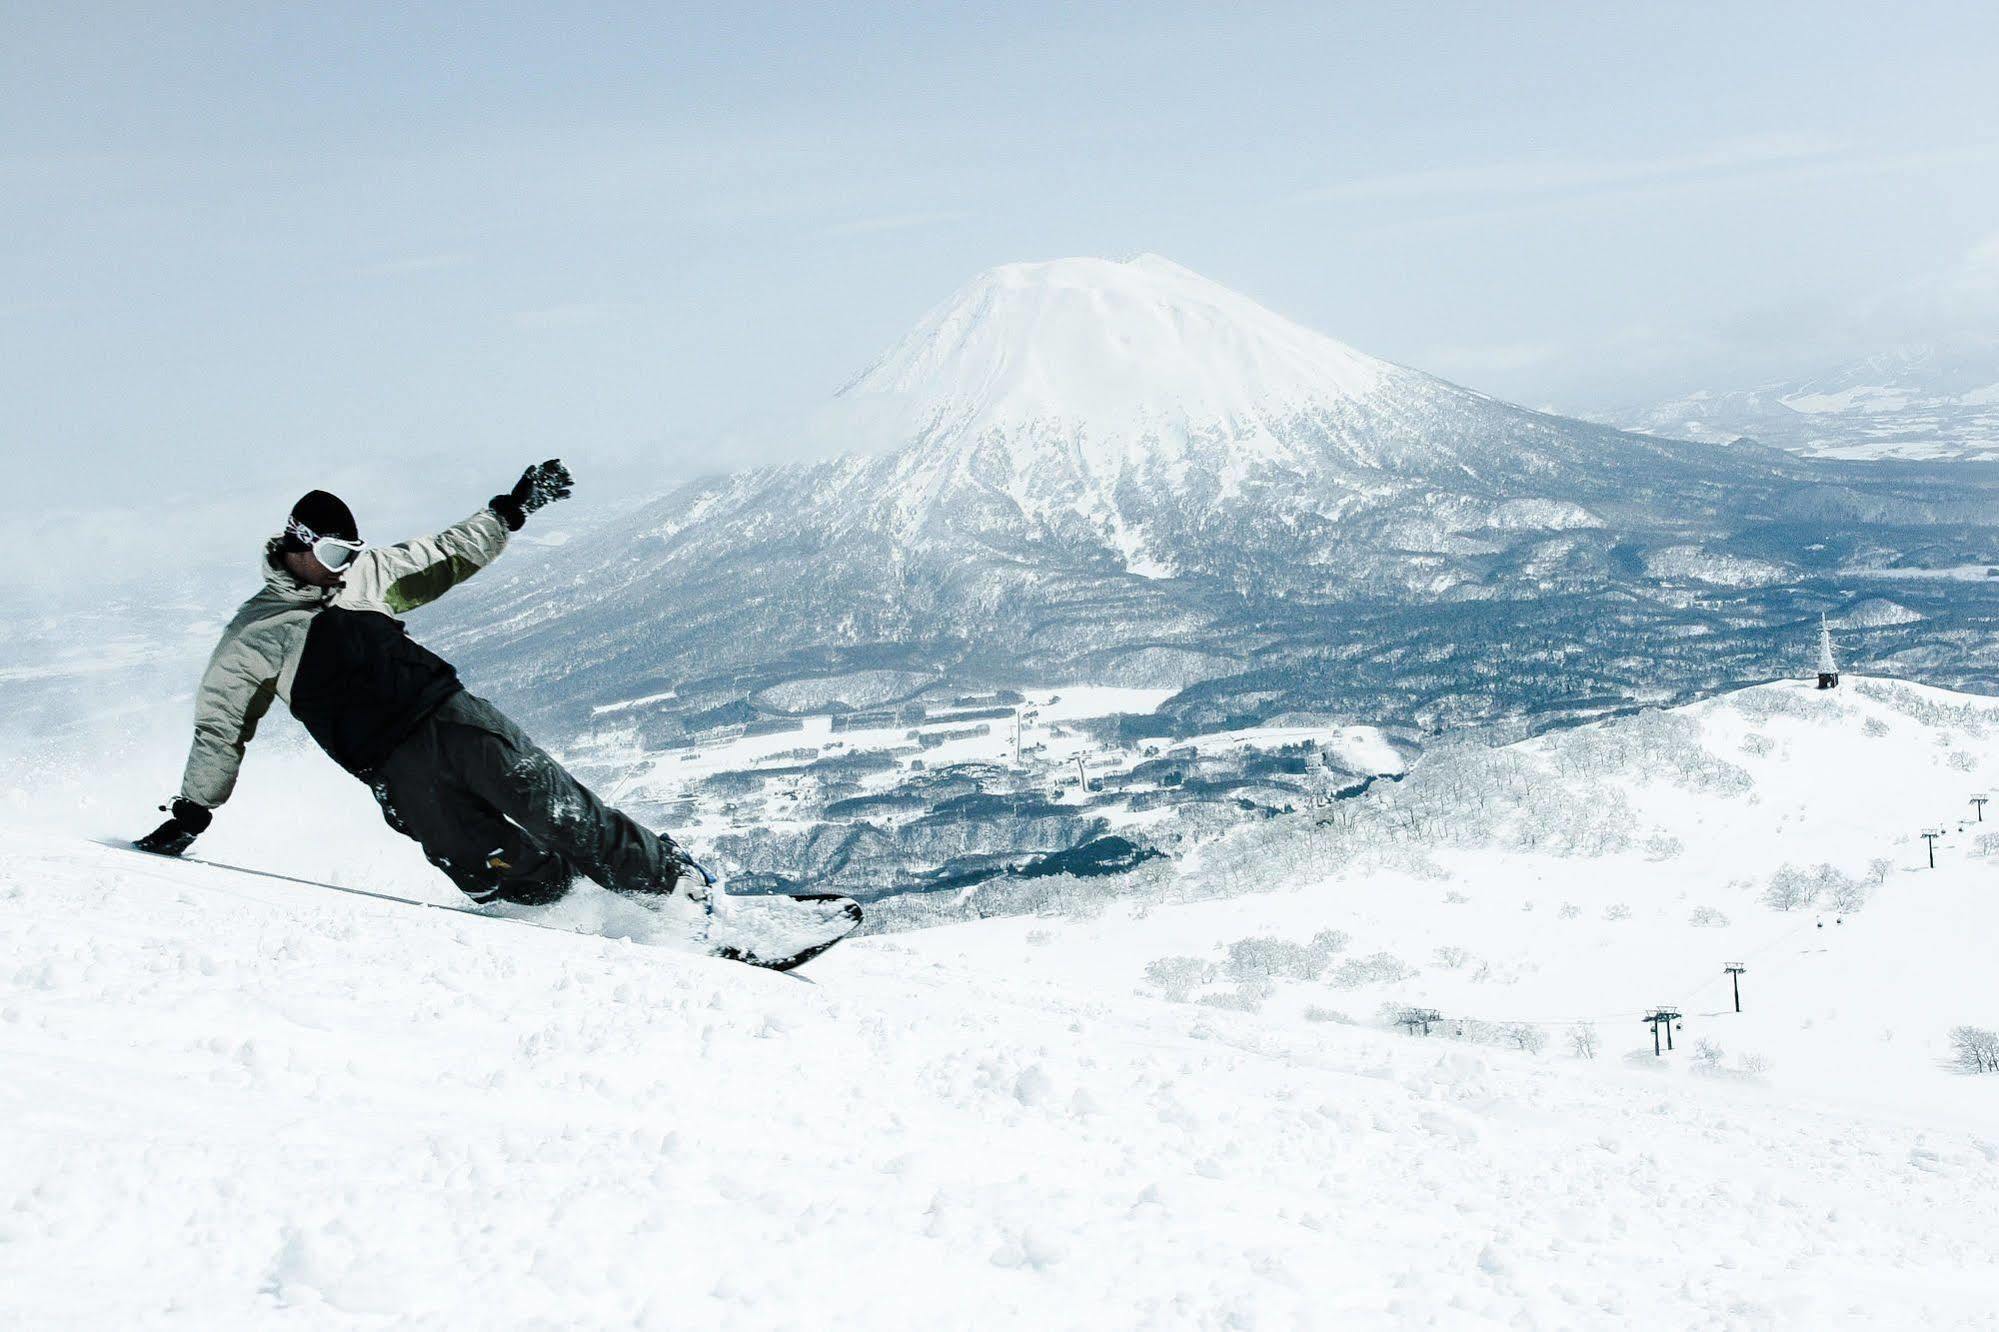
(1123, 350)
(1088, 395)
(235, 1102)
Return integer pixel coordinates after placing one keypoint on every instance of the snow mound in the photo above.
(855, 689)
(1861, 398)
(1708, 566)
(1541, 514)
(1164, 667)
(1877, 613)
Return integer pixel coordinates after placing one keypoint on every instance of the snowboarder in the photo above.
(505, 821)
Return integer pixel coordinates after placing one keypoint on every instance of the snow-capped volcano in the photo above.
(1124, 473)
(1143, 411)
(1059, 382)
(1115, 353)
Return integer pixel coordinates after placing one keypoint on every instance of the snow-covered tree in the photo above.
(1266, 958)
(1176, 977)
(1977, 1049)
(1526, 1036)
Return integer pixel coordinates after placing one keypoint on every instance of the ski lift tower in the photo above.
(1663, 1018)
(1735, 970)
(1828, 667)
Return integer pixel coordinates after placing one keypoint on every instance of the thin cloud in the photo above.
(1958, 301)
(423, 263)
(1669, 185)
(1979, 270)
(868, 226)
(1528, 177)
(575, 314)
(9, 309)
(1492, 358)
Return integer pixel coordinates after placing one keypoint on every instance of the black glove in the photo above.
(543, 483)
(177, 834)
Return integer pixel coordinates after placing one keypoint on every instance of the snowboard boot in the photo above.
(690, 880)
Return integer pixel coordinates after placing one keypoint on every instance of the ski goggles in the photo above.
(336, 553)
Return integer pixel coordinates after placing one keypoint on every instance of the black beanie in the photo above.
(323, 514)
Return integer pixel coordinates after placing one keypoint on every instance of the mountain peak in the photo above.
(1129, 349)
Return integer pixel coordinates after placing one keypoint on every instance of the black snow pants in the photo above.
(505, 821)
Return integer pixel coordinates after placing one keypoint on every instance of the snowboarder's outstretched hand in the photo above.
(543, 483)
(187, 821)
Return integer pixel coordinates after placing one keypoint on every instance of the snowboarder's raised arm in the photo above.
(415, 573)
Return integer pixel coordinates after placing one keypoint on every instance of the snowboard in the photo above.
(776, 932)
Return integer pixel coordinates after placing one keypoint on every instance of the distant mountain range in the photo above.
(1915, 402)
(1123, 473)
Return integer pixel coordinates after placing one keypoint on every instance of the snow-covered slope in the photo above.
(1912, 402)
(1591, 874)
(1125, 359)
(232, 1102)
(1129, 405)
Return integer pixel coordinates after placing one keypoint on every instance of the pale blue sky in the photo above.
(277, 246)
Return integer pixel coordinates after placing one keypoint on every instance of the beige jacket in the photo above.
(259, 652)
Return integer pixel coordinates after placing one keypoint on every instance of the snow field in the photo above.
(235, 1103)
(1496, 927)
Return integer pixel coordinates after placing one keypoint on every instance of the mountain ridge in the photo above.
(1919, 402)
(1141, 531)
